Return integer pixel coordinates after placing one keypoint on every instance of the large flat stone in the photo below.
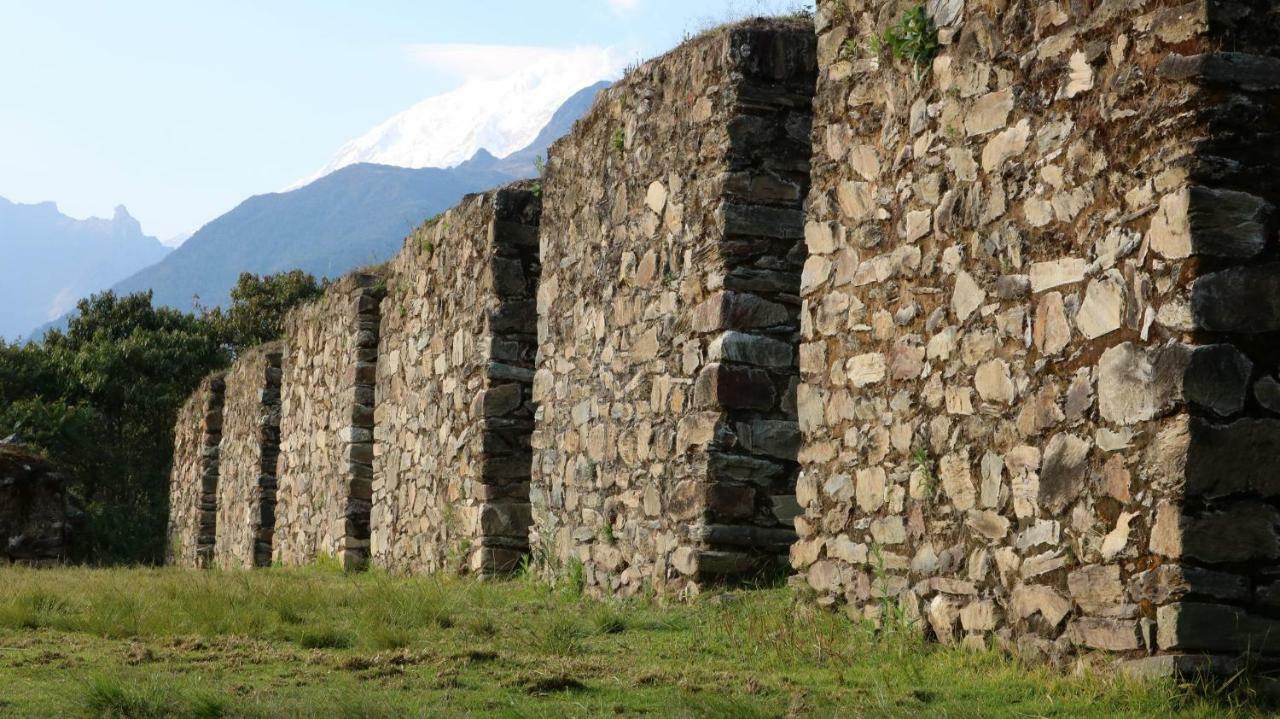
(1243, 300)
(1198, 626)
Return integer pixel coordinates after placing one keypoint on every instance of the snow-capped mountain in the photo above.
(499, 114)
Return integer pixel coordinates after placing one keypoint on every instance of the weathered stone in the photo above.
(1048, 275)
(1115, 635)
(1096, 589)
(1239, 299)
(1135, 384)
(968, 296)
(1217, 379)
(193, 482)
(1103, 306)
(1225, 459)
(1198, 626)
(993, 382)
(248, 459)
(1063, 471)
(750, 349)
(1028, 599)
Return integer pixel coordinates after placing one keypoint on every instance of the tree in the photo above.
(101, 398)
(259, 305)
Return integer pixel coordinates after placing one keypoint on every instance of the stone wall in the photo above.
(1039, 328)
(33, 509)
(454, 407)
(326, 426)
(193, 482)
(248, 453)
(665, 445)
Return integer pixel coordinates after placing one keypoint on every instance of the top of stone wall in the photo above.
(643, 73)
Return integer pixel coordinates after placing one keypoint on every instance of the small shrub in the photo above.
(619, 141)
(562, 636)
(324, 638)
(913, 39)
(541, 166)
(608, 621)
(575, 577)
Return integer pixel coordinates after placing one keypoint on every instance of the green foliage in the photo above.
(541, 166)
(913, 39)
(925, 464)
(258, 307)
(619, 141)
(101, 398)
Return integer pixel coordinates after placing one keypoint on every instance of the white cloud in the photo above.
(621, 6)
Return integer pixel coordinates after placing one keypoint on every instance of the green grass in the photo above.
(143, 643)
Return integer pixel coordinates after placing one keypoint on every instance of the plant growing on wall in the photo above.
(913, 39)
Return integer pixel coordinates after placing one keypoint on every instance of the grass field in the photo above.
(317, 643)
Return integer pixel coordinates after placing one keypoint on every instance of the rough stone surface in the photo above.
(34, 528)
(454, 392)
(1072, 214)
(326, 426)
(193, 483)
(665, 448)
(248, 454)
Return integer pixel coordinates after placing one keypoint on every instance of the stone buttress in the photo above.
(326, 426)
(248, 459)
(454, 391)
(193, 482)
(1039, 401)
(665, 442)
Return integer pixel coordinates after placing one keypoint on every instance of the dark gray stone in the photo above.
(1243, 532)
(734, 387)
(1197, 626)
(1170, 582)
(751, 349)
(1226, 223)
(1240, 299)
(1225, 459)
(1217, 379)
(1231, 69)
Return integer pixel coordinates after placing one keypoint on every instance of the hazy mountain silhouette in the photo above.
(52, 260)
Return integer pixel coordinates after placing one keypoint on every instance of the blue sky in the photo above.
(180, 110)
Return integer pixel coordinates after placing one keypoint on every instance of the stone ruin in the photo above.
(193, 483)
(986, 344)
(325, 474)
(34, 525)
(672, 244)
(247, 480)
(1039, 350)
(455, 377)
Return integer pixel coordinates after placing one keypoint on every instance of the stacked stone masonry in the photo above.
(247, 459)
(193, 483)
(454, 392)
(34, 528)
(326, 426)
(1040, 325)
(665, 442)
(990, 345)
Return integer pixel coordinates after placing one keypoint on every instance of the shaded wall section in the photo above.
(33, 509)
(326, 427)
(248, 458)
(664, 450)
(455, 376)
(193, 482)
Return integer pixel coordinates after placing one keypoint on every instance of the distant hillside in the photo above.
(51, 260)
(355, 216)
